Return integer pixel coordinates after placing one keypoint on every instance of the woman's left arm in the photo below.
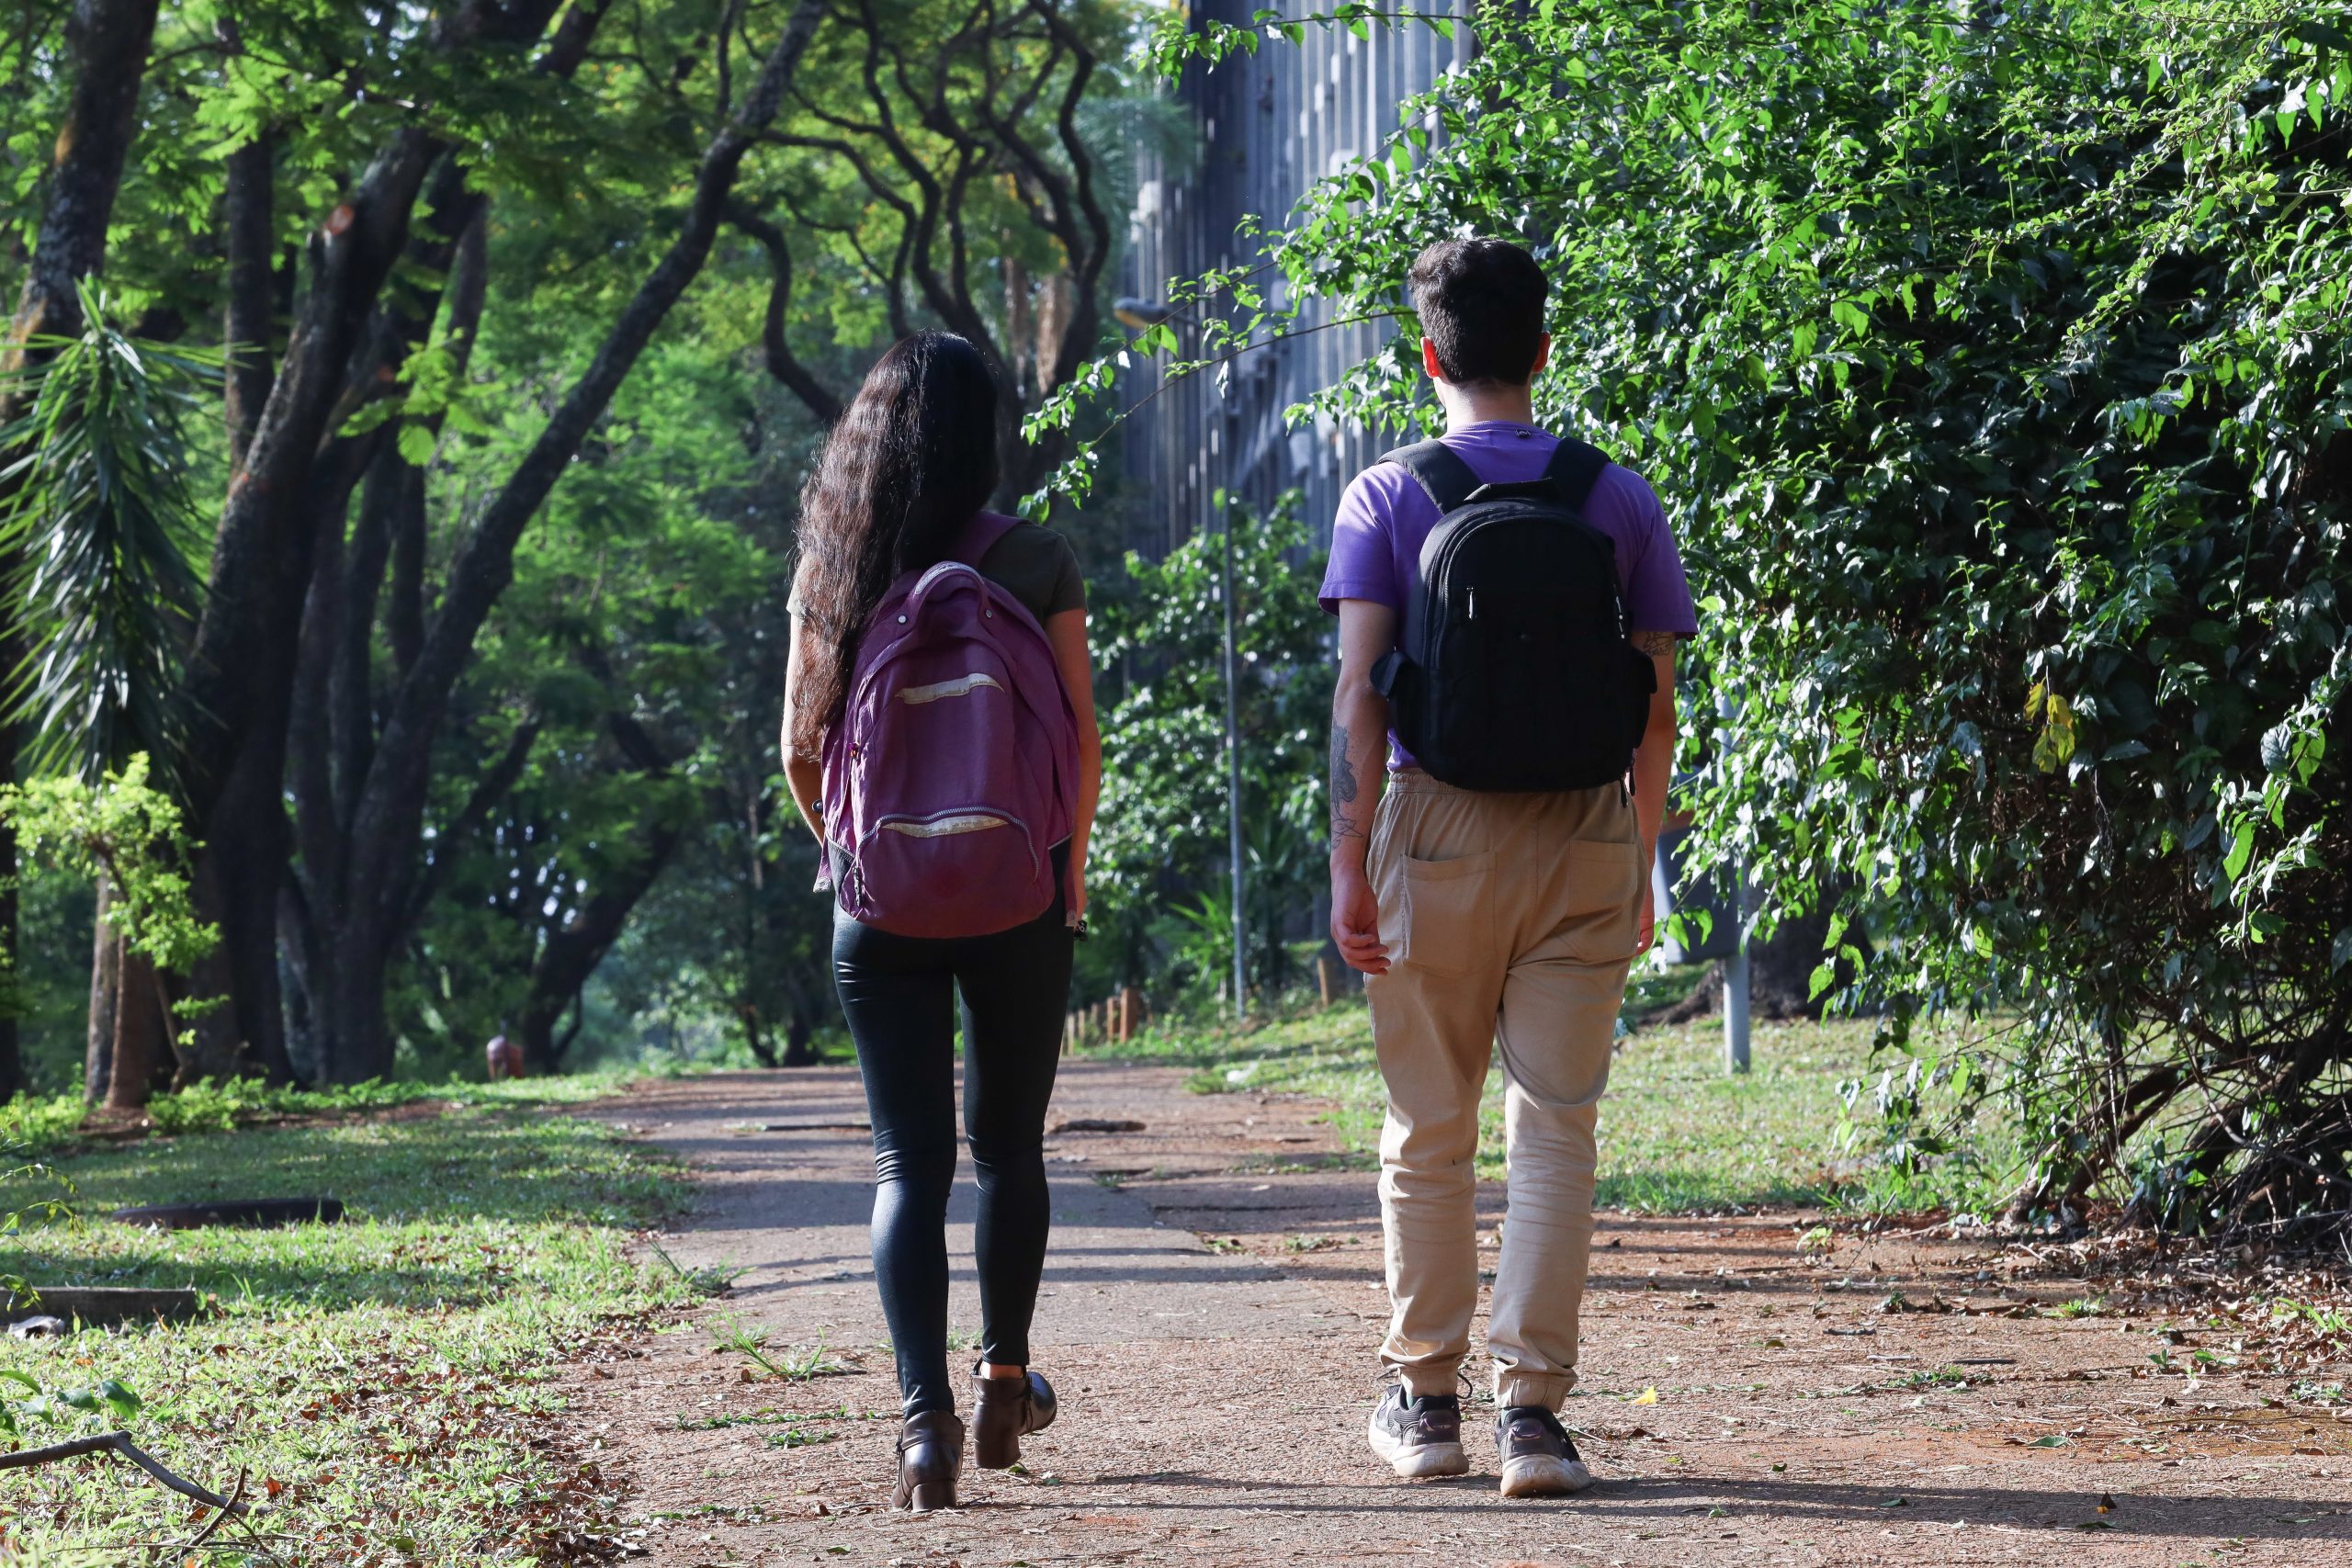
(1066, 631)
(805, 776)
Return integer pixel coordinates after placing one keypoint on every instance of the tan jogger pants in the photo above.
(1510, 919)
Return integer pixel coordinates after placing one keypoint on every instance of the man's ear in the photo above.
(1428, 360)
(1542, 356)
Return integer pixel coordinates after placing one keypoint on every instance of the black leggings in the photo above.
(898, 993)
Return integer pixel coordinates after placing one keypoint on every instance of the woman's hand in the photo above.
(1066, 631)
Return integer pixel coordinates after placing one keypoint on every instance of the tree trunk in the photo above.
(250, 320)
(1780, 972)
(295, 969)
(238, 873)
(755, 1035)
(797, 1035)
(571, 954)
(361, 1045)
(108, 41)
(295, 481)
(387, 822)
(142, 1049)
(105, 980)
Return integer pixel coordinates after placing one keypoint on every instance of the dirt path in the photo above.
(1210, 1315)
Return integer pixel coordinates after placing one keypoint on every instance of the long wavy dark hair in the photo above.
(906, 468)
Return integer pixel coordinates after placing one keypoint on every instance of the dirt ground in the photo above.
(1755, 1390)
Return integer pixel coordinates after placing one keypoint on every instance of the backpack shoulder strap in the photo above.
(1441, 471)
(980, 535)
(1576, 469)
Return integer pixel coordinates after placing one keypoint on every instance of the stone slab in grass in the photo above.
(245, 1214)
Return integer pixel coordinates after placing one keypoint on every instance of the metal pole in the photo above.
(1736, 965)
(1233, 759)
(1735, 977)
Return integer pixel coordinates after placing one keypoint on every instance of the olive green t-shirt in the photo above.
(1038, 567)
(1034, 564)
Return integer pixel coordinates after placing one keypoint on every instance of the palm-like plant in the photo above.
(96, 517)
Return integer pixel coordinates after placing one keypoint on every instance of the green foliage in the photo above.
(639, 657)
(51, 1125)
(1162, 828)
(390, 1376)
(1992, 365)
(47, 1206)
(128, 831)
(931, 165)
(56, 914)
(78, 1410)
(95, 509)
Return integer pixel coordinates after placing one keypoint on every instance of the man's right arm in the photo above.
(1359, 770)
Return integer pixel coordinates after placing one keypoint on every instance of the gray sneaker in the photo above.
(1418, 1437)
(1538, 1458)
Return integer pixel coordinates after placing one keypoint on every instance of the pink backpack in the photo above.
(950, 773)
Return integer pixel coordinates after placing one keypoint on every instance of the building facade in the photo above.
(1269, 126)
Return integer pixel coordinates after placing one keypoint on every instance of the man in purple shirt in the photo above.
(1487, 918)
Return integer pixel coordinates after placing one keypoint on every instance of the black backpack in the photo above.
(1515, 674)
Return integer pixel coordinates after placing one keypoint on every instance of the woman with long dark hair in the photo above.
(896, 500)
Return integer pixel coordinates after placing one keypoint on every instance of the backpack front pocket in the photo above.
(964, 870)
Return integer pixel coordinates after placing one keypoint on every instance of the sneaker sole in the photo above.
(1542, 1476)
(1417, 1461)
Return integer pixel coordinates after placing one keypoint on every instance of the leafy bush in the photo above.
(1993, 361)
(1163, 828)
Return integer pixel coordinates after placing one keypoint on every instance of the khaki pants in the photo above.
(1510, 919)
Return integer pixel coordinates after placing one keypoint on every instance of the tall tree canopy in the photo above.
(532, 310)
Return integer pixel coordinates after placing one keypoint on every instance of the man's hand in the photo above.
(1355, 922)
(1648, 934)
(1654, 773)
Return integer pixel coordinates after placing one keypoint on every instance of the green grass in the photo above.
(383, 1383)
(46, 1124)
(1678, 1134)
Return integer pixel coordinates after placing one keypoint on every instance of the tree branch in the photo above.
(490, 789)
(782, 365)
(119, 1443)
(248, 236)
(385, 825)
(108, 41)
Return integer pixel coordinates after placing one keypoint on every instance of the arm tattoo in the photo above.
(1655, 644)
(1343, 788)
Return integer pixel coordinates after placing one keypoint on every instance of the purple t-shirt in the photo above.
(1385, 515)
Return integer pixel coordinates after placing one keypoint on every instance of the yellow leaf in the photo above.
(1647, 1396)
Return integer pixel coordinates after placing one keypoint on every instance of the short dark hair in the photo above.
(1481, 302)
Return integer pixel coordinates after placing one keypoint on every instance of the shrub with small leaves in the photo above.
(1994, 364)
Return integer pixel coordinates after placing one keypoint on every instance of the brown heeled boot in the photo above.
(931, 1456)
(1010, 1409)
